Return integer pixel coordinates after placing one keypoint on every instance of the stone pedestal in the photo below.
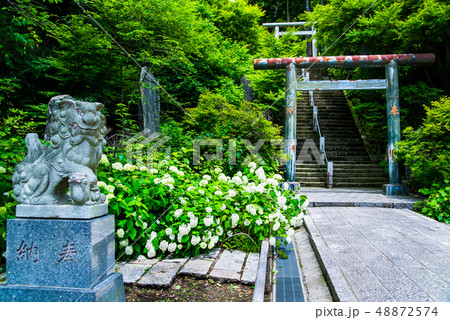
(393, 189)
(61, 259)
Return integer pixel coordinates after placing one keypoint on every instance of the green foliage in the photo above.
(237, 21)
(270, 85)
(427, 150)
(437, 206)
(157, 214)
(387, 26)
(217, 118)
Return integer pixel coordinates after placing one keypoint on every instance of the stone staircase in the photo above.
(352, 165)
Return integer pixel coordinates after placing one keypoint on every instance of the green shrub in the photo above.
(427, 150)
(216, 118)
(171, 209)
(437, 206)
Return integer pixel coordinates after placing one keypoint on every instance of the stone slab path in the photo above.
(353, 197)
(222, 265)
(380, 254)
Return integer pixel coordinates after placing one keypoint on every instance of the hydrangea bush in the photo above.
(172, 210)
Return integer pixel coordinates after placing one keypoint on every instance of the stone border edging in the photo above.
(339, 288)
(260, 283)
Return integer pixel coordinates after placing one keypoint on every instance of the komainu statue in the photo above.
(77, 131)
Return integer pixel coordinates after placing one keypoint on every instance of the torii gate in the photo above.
(389, 61)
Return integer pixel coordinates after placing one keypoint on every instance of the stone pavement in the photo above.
(222, 265)
(353, 197)
(380, 254)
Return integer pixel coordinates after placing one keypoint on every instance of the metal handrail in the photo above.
(321, 138)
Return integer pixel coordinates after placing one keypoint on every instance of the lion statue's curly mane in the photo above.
(77, 131)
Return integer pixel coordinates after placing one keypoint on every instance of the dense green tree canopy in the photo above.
(387, 26)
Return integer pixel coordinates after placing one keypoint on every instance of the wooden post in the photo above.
(393, 123)
(290, 135)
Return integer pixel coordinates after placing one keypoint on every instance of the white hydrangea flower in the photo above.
(117, 166)
(177, 213)
(151, 253)
(153, 235)
(231, 193)
(234, 220)
(110, 196)
(208, 221)
(305, 204)
(184, 229)
(252, 170)
(172, 247)
(218, 193)
(172, 237)
(203, 245)
(222, 177)
(203, 183)
(208, 209)
(281, 201)
(174, 169)
(289, 239)
(128, 167)
(252, 165)
(163, 245)
(168, 231)
(211, 245)
(195, 240)
(246, 222)
(144, 225)
(157, 181)
(207, 177)
(239, 174)
(260, 174)
(290, 232)
(101, 184)
(251, 209)
(217, 170)
(110, 188)
(259, 222)
(143, 168)
(123, 243)
(276, 226)
(285, 186)
(193, 222)
(129, 250)
(190, 189)
(229, 233)
(278, 177)
(183, 201)
(272, 241)
(244, 179)
(272, 182)
(149, 245)
(153, 171)
(219, 231)
(201, 191)
(180, 246)
(223, 207)
(120, 233)
(237, 180)
(103, 160)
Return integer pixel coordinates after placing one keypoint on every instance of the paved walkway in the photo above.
(380, 254)
(363, 197)
(222, 265)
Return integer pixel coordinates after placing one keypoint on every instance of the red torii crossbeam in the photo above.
(378, 60)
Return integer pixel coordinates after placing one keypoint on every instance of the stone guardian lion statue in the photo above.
(77, 131)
